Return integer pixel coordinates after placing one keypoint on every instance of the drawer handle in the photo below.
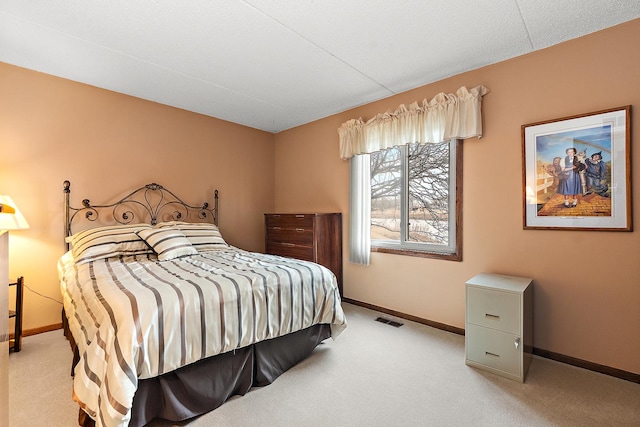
(492, 316)
(277, 228)
(288, 244)
(299, 230)
(299, 216)
(517, 343)
(488, 353)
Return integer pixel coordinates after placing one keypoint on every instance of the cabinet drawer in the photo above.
(494, 309)
(300, 236)
(494, 349)
(289, 221)
(291, 250)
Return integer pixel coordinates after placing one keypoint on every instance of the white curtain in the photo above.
(360, 207)
(445, 117)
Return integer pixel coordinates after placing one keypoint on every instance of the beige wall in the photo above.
(587, 286)
(105, 143)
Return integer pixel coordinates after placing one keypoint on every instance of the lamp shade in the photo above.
(10, 216)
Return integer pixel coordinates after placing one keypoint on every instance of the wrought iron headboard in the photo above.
(150, 203)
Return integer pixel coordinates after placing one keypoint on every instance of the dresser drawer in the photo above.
(291, 250)
(315, 237)
(494, 349)
(289, 221)
(494, 309)
(299, 236)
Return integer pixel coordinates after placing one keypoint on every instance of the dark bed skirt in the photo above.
(205, 385)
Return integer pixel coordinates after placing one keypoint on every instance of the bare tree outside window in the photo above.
(386, 191)
(429, 193)
(411, 197)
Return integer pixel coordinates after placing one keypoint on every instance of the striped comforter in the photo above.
(136, 318)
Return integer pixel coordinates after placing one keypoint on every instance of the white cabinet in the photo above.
(499, 324)
(4, 329)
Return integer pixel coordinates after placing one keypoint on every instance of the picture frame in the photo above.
(577, 172)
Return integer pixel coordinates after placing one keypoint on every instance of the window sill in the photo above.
(456, 256)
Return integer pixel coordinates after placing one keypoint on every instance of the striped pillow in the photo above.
(168, 243)
(105, 242)
(203, 236)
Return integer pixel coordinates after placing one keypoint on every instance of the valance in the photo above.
(446, 116)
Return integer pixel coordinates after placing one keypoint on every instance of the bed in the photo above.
(167, 320)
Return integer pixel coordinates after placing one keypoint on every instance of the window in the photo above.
(416, 198)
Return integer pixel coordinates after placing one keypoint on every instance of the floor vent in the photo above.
(389, 322)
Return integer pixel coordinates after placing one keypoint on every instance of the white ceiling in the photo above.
(276, 64)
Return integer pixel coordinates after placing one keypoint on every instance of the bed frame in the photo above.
(205, 385)
(148, 204)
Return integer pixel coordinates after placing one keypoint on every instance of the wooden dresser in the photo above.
(313, 237)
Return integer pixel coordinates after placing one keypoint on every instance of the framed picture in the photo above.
(577, 172)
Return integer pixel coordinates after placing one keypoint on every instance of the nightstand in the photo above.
(16, 343)
(499, 324)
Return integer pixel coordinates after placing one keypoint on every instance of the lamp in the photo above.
(10, 216)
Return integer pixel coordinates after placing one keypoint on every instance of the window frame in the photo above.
(412, 249)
